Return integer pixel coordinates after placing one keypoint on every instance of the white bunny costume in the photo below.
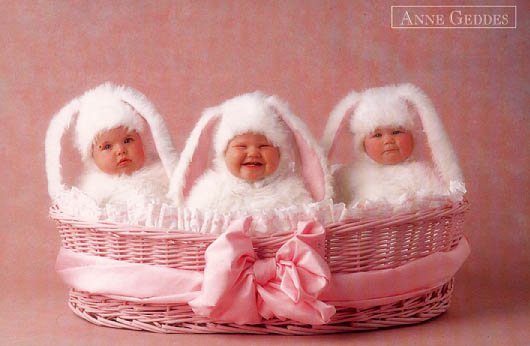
(414, 179)
(106, 107)
(301, 176)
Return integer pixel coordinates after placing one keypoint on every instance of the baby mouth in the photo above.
(123, 162)
(252, 164)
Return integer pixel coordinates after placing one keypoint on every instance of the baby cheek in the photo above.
(406, 145)
(372, 146)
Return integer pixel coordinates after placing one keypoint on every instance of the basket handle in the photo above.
(63, 119)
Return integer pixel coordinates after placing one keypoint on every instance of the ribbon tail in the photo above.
(130, 281)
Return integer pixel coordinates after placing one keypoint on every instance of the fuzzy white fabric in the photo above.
(393, 184)
(378, 108)
(250, 113)
(219, 190)
(147, 183)
(101, 109)
(104, 108)
(406, 106)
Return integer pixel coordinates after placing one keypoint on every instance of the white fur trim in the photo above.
(264, 114)
(336, 121)
(221, 192)
(123, 100)
(144, 184)
(393, 183)
(102, 109)
(314, 162)
(52, 147)
(443, 155)
(160, 134)
(249, 113)
(392, 106)
(380, 107)
(189, 167)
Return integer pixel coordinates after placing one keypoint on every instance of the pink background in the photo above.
(187, 55)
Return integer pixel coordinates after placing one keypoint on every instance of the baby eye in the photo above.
(105, 147)
(262, 146)
(128, 140)
(377, 135)
(397, 132)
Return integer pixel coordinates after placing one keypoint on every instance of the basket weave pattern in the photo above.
(351, 246)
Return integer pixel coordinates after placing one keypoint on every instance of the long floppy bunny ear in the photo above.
(314, 168)
(52, 146)
(442, 151)
(190, 165)
(160, 133)
(338, 122)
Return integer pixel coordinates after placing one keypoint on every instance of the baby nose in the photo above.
(253, 151)
(388, 139)
(120, 149)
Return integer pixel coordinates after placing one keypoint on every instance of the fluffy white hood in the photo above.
(105, 107)
(250, 113)
(402, 105)
(381, 107)
(101, 110)
(301, 161)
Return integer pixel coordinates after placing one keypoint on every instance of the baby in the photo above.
(265, 158)
(120, 159)
(390, 164)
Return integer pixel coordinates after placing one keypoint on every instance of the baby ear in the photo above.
(314, 167)
(52, 146)
(160, 133)
(191, 165)
(442, 151)
(337, 124)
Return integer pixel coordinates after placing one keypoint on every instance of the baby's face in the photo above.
(251, 157)
(118, 151)
(389, 145)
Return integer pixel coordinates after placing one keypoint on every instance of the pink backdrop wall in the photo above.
(187, 55)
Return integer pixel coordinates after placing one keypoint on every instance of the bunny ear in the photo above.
(52, 146)
(191, 165)
(442, 151)
(160, 133)
(314, 165)
(338, 122)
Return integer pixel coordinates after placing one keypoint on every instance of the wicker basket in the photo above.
(352, 246)
(371, 246)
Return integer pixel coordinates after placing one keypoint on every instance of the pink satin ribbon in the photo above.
(127, 281)
(380, 287)
(238, 287)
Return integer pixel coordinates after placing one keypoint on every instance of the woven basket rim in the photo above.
(166, 233)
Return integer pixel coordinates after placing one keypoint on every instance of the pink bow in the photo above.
(240, 288)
